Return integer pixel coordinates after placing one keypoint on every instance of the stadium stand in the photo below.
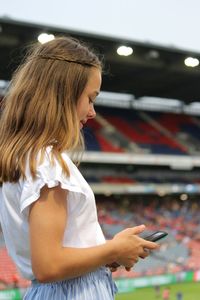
(125, 130)
(180, 251)
(126, 174)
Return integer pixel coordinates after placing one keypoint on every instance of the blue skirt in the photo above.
(97, 285)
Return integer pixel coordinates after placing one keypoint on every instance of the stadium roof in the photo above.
(151, 70)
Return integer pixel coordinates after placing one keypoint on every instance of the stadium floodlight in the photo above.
(124, 51)
(191, 62)
(184, 197)
(45, 37)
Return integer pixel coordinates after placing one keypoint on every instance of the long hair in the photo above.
(40, 108)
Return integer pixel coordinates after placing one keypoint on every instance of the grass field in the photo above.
(191, 291)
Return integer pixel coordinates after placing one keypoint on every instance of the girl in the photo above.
(47, 209)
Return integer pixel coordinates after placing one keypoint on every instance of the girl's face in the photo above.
(85, 105)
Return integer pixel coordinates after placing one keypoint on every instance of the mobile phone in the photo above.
(156, 236)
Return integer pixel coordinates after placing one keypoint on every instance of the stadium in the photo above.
(142, 156)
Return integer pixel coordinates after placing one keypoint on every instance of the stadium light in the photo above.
(124, 51)
(183, 197)
(191, 62)
(45, 37)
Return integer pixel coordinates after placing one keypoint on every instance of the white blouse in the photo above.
(82, 228)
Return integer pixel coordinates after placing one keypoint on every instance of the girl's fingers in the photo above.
(150, 245)
(144, 254)
(138, 229)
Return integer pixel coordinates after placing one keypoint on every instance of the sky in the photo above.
(171, 23)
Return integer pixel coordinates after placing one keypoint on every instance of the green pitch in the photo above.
(191, 291)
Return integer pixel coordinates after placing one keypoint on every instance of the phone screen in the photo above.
(156, 236)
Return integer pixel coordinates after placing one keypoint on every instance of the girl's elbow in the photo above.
(45, 274)
(44, 277)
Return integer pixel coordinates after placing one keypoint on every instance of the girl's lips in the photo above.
(82, 123)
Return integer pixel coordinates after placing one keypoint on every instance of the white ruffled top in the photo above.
(82, 228)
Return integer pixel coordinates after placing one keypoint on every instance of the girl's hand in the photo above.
(130, 246)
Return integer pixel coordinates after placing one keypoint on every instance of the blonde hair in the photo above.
(40, 109)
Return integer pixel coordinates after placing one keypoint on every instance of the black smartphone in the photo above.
(156, 236)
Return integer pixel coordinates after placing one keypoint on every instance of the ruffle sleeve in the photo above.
(50, 175)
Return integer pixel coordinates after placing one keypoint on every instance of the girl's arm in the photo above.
(51, 261)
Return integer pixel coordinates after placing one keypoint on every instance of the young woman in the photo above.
(47, 209)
